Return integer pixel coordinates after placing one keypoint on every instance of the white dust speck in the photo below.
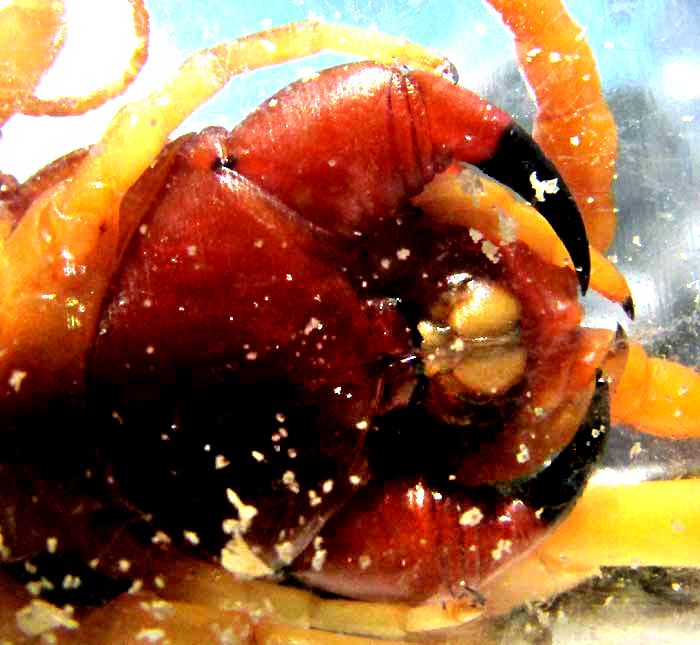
(545, 187)
(16, 378)
(523, 455)
(472, 517)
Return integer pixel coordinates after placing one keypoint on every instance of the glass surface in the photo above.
(649, 60)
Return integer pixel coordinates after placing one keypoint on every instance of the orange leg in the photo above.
(31, 35)
(42, 28)
(648, 524)
(658, 396)
(574, 126)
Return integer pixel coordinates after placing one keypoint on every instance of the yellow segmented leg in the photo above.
(658, 396)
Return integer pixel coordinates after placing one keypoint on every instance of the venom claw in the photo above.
(519, 163)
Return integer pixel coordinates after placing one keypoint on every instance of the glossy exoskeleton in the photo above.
(297, 371)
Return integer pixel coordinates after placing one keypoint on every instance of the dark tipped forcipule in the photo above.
(519, 163)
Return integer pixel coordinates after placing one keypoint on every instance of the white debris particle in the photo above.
(289, 277)
(220, 462)
(319, 559)
(533, 52)
(554, 57)
(147, 303)
(472, 517)
(251, 356)
(258, 244)
(246, 513)
(124, 565)
(192, 250)
(364, 561)
(71, 582)
(502, 548)
(51, 544)
(150, 349)
(229, 635)
(151, 634)
(362, 425)
(34, 587)
(635, 450)
(39, 617)
(332, 163)
(280, 417)
(306, 74)
(385, 263)
(314, 323)
(403, 254)
(158, 608)
(637, 241)
(608, 44)
(16, 378)
(490, 250)
(523, 455)
(314, 499)
(476, 235)
(159, 582)
(542, 188)
(328, 486)
(30, 567)
(191, 537)
(291, 453)
(457, 345)
(355, 480)
(143, 229)
(285, 552)
(337, 390)
(267, 45)
(272, 103)
(258, 456)
(238, 558)
(289, 479)
(507, 228)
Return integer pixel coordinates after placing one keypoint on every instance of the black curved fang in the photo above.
(516, 158)
(556, 487)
